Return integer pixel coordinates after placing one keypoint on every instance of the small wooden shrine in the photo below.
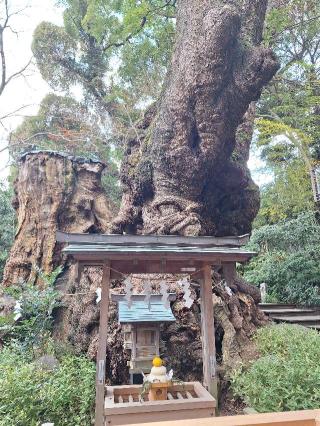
(122, 255)
(140, 323)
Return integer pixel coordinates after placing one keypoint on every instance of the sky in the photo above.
(30, 90)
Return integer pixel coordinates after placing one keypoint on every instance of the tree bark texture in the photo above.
(53, 192)
(186, 173)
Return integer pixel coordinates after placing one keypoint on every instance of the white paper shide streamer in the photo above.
(128, 291)
(185, 284)
(98, 293)
(17, 310)
(165, 295)
(147, 289)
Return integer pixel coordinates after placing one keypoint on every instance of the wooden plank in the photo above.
(168, 416)
(116, 297)
(298, 318)
(208, 333)
(294, 418)
(157, 406)
(292, 311)
(102, 346)
(126, 240)
(213, 258)
(135, 389)
(147, 266)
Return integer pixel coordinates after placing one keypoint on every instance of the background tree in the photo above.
(288, 260)
(115, 51)
(289, 108)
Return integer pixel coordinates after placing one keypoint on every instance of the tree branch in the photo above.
(4, 81)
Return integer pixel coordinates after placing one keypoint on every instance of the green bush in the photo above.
(288, 260)
(37, 302)
(287, 376)
(30, 395)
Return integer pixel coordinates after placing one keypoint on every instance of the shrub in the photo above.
(288, 261)
(36, 305)
(30, 395)
(287, 376)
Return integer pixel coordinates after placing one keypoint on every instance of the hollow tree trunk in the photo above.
(188, 173)
(53, 192)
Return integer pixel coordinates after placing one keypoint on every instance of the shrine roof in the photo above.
(140, 312)
(151, 246)
(151, 240)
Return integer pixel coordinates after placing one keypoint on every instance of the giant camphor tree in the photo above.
(184, 169)
(187, 174)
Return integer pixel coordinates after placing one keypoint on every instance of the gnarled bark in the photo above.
(53, 192)
(187, 173)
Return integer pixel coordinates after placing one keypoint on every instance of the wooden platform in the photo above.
(293, 314)
(123, 405)
(294, 418)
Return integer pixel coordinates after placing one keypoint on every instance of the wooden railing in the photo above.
(293, 418)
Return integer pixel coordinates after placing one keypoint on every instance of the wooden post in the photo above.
(102, 346)
(208, 334)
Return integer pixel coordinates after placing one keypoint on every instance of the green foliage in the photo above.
(62, 124)
(287, 376)
(31, 396)
(7, 224)
(53, 45)
(290, 104)
(289, 260)
(288, 195)
(128, 40)
(37, 304)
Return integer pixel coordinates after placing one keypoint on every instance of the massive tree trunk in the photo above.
(187, 172)
(53, 192)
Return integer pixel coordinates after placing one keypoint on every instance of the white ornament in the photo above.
(263, 291)
(188, 301)
(170, 375)
(147, 288)
(17, 310)
(228, 290)
(98, 293)
(128, 292)
(165, 295)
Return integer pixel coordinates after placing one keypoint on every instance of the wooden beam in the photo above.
(208, 333)
(212, 258)
(102, 346)
(293, 418)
